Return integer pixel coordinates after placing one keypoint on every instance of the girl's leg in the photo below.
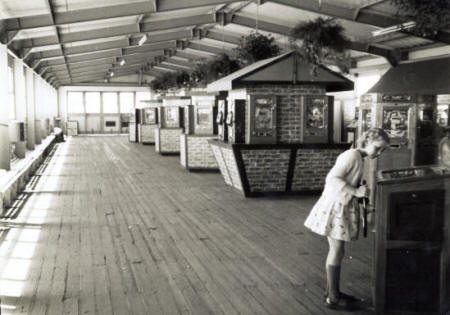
(333, 267)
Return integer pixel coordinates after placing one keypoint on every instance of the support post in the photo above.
(5, 158)
(31, 114)
(21, 104)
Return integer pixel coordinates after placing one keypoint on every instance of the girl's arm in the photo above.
(336, 177)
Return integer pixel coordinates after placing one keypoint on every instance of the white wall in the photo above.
(63, 110)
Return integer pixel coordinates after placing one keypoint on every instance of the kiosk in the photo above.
(200, 125)
(411, 267)
(148, 121)
(171, 124)
(279, 122)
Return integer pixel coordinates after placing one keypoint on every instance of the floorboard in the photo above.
(111, 227)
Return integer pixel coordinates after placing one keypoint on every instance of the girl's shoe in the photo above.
(338, 305)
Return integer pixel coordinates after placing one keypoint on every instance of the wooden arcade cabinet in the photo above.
(412, 267)
(149, 121)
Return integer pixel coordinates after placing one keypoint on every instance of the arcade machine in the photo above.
(410, 121)
(148, 121)
(171, 124)
(279, 124)
(412, 260)
(200, 125)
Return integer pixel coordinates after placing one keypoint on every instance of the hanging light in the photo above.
(111, 74)
(394, 28)
(122, 61)
(143, 40)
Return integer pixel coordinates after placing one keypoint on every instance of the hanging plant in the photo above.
(430, 16)
(256, 46)
(210, 70)
(321, 41)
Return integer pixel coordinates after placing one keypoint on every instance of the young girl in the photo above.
(336, 213)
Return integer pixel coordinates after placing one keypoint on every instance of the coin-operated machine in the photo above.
(148, 121)
(235, 121)
(410, 122)
(411, 268)
(171, 124)
(317, 122)
(262, 122)
(200, 126)
(222, 128)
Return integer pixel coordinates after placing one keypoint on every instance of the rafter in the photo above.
(389, 54)
(122, 30)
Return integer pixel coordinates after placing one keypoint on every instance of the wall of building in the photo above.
(86, 122)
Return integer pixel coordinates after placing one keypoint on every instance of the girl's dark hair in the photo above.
(373, 134)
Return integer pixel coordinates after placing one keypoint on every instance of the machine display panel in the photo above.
(204, 116)
(150, 116)
(264, 108)
(172, 114)
(395, 122)
(316, 114)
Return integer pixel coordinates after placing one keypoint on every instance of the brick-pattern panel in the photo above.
(148, 133)
(266, 169)
(221, 163)
(199, 153)
(311, 168)
(289, 114)
(183, 139)
(170, 140)
(230, 161)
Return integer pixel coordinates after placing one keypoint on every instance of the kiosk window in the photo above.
(110, 123)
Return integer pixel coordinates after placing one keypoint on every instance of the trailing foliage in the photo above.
(429, 15)
(321, 41)
(205, 71)
(256, 46)
(211, 70)
(170, 80)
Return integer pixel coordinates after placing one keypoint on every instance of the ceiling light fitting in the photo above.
(111, 74)
(143, 40)
(394, 28)
(122, 62)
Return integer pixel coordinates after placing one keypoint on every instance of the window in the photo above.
(92, 102)
(12, 100)
(75, 102)
(110, 105)
(142, 96)
(126, 102)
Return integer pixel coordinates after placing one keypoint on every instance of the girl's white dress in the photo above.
(336, 213)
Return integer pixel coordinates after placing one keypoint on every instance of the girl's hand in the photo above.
(362, 191)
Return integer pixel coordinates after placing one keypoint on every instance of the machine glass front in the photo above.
(395, 122)
(264, 118)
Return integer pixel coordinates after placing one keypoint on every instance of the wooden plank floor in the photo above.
(111, 227)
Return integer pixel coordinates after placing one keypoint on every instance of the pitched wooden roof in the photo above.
(283, 69)
(423, 77)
